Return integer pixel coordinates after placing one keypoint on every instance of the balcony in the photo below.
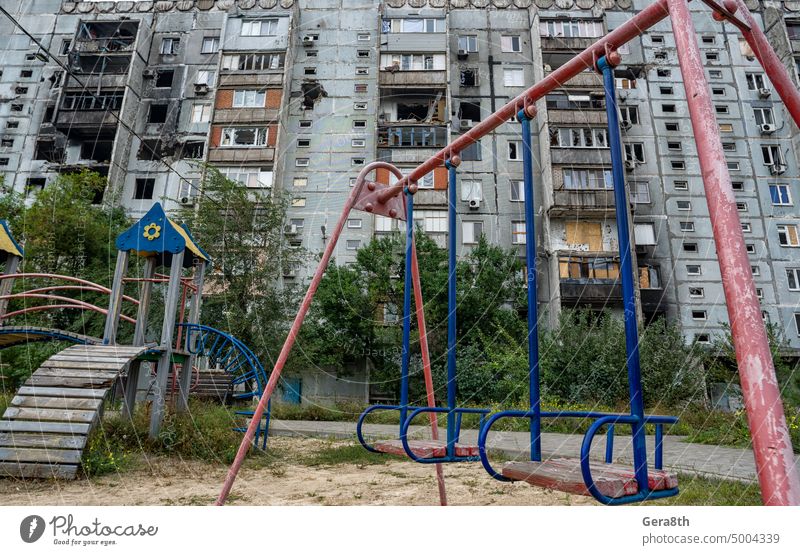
(388, 78)
(245, 79)
(589, 280)
(567, 43)
(580, 156)
(428, 197)
(86, 123)
(406, 155)
(106, 36)
(108, 45)
(584, 80)
(245, 115)
(241, 155)
(566, 201)
(576, 116)
(421, 135)
(92, 82)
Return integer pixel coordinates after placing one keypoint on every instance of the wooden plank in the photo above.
(569, 480)
(82, 364)
(55, 381)
(31, 470)
(50, 456)
(16, 426)
(50, 414)
(425, 448)
(56, 402)
(88, 357)
(42, 441)
(71, 392)
(76, 373)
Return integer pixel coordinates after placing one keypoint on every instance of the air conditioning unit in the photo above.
(630, 165)
(466, 124)
(201, 88)
(767, 128)
(290, 229)
(625, 125)
(777, 169)
(474, 204)
(764, 93)
(462, 54)
(148, 73)
(186, 201)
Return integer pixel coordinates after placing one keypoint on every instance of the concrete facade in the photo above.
(298, 95)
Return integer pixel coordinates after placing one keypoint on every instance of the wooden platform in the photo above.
(45, 428)
(425, 448)
(563, 474)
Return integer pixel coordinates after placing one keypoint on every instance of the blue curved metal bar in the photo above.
(451, 456)
(243, 367)
(44, 334)
(644, 493)
(534, 395)
(603, 418)
(363, 416)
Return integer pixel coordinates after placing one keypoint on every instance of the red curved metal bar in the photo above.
(97, 286)
(72, 303)
(76, 288)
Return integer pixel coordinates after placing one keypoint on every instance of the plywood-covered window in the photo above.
(589, 234)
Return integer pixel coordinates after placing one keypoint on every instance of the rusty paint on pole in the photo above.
(771, 442)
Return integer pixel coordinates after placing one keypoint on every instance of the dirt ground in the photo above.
(173, 481)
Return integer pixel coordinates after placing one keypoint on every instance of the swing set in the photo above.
(609, 483)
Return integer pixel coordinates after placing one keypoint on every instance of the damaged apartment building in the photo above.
(298, 95)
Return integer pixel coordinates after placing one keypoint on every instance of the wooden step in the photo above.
(56, 381)
(76, 373)
(49, 456)
(563, 474)
(425, 448)
(64, 403)
(34, 470)
(72, 428)
(76, 392)
(42, 441)
(56, 415)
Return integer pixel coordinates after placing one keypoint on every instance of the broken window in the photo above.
(244, 136)
(164, 77)
(158, 113)
(470, 111)
(469, 77)
(7, 142)
(150, 149)
(193, 149)
(143, 189)
(33, 185)
(105, 100)
(99, 151)
(252, 62)
(46, 150)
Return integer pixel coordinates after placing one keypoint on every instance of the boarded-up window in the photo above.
(585, 233)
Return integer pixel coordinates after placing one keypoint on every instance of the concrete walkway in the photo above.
(708, 460)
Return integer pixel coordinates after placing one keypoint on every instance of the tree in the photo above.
(242, 230)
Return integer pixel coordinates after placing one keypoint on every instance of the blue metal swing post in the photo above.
(626, 271)
(406, 309)
(534, 394)
(451, 310)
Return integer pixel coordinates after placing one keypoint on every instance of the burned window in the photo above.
(164, 77)
(470, 111)
(16, 107)
(312, 92)
(12, 124)
(158, 113)
(150, 149)
(46, 149)
(48, 114)
(99, 151)
(25, 73)
(469, 77)
(21, 90)
(144, 188)
(193, 149)
(7, 142)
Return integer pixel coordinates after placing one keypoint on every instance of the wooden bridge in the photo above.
(45, 429)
